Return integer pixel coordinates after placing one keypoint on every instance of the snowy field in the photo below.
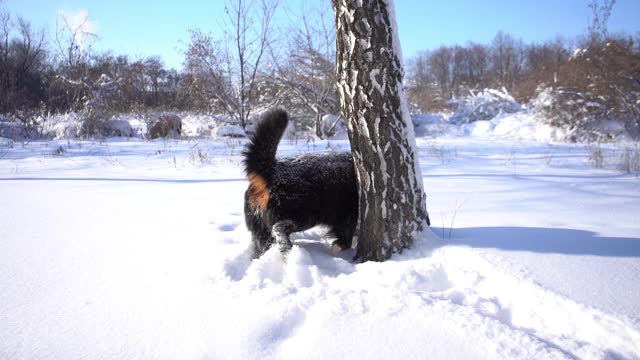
(133, 249)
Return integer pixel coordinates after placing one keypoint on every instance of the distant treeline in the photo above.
(296, 70)
(601, 64)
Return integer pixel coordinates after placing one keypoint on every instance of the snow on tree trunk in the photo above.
(369, 71)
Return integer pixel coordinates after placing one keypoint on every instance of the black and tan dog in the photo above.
(297, 193)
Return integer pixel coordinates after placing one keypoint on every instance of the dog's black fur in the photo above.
(294, 194)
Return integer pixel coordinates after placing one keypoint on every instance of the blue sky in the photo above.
(142, 28)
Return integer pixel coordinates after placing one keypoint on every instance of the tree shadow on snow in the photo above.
(543, 240)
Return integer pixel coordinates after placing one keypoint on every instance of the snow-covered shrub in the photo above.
(98, 109)
(120, 127)
(429, 124)
(56, 125)
(596, 95)
(198, 130)
(630, 160)
(484, 105)
(94, 123)
(11, 129)
(65, 130)
(88, 124)
(165, 125)
(230, 131)
(198, 125)
(583, 115)
(97, 124)
(24, 124)
(564, 108)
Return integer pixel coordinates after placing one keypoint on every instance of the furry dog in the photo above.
(294, 194)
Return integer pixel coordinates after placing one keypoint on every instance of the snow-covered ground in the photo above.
(134, 249)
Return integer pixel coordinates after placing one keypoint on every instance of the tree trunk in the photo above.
(319, 130)
(369, 71)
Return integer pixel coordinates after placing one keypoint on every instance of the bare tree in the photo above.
(207, 83)
(226, 72)
(440, 63)
(29, 55)
(478, 65)
(155, 72)
(542, 67)
(250, 44)
(423, 90)
(72, 42)
(507, 59)
(22, 63)
(600, 12)
(392, 207)
(5, 60)
(307, 75)
(446, 72)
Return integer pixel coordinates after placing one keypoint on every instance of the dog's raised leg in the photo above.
(281, 231)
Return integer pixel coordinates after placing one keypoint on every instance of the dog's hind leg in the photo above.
(343, 241)
(260, 233)
(281, 231)
(344, 234)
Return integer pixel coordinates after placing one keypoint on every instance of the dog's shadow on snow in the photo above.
(542, 240)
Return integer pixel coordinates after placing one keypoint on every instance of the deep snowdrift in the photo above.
(132, 249)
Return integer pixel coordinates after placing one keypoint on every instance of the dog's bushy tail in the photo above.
(260, 153)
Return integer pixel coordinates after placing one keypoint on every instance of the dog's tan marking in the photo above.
(258, 191)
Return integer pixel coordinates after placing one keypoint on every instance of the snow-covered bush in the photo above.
(198, 125)
(205, 125)
(11, 129)
(70, 127)
(94, 123)
(583, 115)
(484, 105)
(98, 111)
(165, 125)
(596, 95)
(120, 127)
(565, 108)
(630, 160)
(429, 124)
(230, 131)
(24, 124)
(65, 130)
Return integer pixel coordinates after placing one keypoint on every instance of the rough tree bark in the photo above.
(369, 71)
